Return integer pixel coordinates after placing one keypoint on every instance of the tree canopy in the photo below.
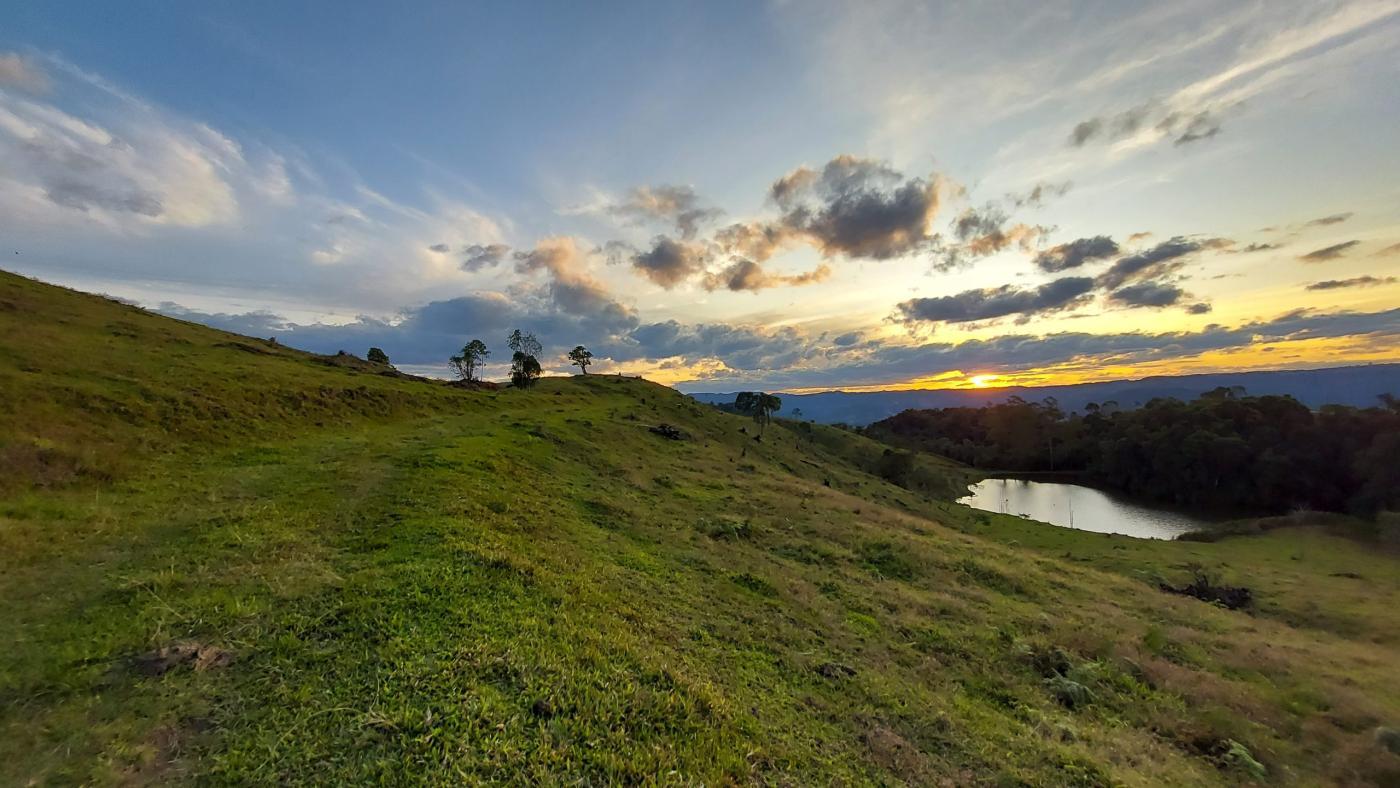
(471, 358)
(581, 358)
(1224, 449)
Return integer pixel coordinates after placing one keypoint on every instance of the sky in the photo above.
(789, 196)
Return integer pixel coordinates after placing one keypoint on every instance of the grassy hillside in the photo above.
(230, 562)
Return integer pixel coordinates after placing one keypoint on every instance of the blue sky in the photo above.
(727, 195)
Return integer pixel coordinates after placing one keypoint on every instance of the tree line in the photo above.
(1267, 453)
(525, 366)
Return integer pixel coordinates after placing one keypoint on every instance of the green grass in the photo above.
(421, 584)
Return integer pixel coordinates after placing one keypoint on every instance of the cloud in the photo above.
(1260, 248)
(1356, 281)
(676, 204)
(778, 358)
(1193, 127)
(1142, 236)
(1039, 194)
(748, 275)
(756, 241)
(1150, 294)
(1163, 258)
(1185, 126)
(883, 363)
(18, 71)
(440, 248)
(478, 256)
(1076, 253)
(981, 232)
(1201, 308)
(1328, 252)
(1336, 218)
(572, 289)
(670, 262)
(988, 303)
(1387, 251)
(859, 208)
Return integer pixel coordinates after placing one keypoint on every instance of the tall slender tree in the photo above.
(472, 357)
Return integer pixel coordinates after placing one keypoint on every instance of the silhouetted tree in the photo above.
(472, 357)
(521, 342)
(758, 406)
(524, 370)
(581, 358)
(524, 361)
(377, 356)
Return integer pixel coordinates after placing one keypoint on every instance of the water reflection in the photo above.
(1077, 506)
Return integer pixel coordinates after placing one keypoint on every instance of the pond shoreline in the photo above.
(1061, 499)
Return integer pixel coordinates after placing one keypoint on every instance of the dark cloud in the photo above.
(1076, 253)
(677, 204)
(1039, 194)
(748, 275)
(988, 303)
(1193, 127)
(1152, 294)
(1336, 218)
(1260, 248)
(847, 339)
(1328, 252)
(858, 208)
(82, 195)
(1201, 308)
(1356, 281)
(1084, 131)
(1387, 251)
(1183, 126)
(438, 248)
(853, 207)
(479, 256)
(1142, 236)
(670, 262)
(1163, 258)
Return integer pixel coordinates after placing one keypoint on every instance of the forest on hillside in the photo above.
(1224, 449)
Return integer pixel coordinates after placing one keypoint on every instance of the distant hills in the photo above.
(1358, 386)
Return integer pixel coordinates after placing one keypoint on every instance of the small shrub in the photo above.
(725, 528)
(1238, 758)
(755, 584)
(1070, 694)
(886, 560)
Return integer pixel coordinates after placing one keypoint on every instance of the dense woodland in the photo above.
(1223, 449)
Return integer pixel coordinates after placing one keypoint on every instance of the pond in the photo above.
(1077, 506)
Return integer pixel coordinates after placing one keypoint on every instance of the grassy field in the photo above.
(225, 561)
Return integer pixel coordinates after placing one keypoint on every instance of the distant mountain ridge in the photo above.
(1354, 385)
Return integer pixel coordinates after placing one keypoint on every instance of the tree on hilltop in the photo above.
(471, 359)
(581, 358)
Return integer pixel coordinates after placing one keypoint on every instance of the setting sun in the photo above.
(982, 381)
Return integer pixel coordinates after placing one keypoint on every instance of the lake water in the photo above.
(1077, 506)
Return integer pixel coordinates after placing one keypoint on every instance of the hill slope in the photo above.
(258, 566)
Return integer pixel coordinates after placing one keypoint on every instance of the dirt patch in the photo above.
(199, 656)
(895, 754)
